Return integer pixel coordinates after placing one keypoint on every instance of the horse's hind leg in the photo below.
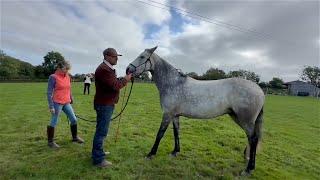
(175, 123)
(253, 141)
(237, 119)
(163, 127)
(252, 128)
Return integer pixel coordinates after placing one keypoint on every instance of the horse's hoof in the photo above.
(245, 173)
(174, 154)
(149, 156)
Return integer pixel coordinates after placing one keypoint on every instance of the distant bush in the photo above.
(274, 91)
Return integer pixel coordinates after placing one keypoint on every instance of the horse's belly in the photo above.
(203, 111)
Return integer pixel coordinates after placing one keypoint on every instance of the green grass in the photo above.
(209, 148)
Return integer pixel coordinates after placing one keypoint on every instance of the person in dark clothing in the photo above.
(107, 95)
(87, 83)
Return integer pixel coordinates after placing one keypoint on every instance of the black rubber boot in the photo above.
(74, 132)
(50, 133)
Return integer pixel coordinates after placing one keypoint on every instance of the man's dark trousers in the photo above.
(104, 113)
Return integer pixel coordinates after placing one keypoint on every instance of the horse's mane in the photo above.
(182, 74)
(179, 71)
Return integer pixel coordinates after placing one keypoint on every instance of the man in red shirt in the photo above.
(107, 95)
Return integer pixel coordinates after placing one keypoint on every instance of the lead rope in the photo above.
(118, 128)
(86, 119)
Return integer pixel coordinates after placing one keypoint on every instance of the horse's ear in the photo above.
(152, 49)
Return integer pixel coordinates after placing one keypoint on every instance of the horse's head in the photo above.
(142, 63)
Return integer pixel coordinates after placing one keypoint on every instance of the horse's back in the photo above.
(227, 86)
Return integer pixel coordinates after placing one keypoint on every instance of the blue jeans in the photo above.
(67, 109)
(104, 114)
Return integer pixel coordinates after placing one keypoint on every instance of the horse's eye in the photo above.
(141, 57)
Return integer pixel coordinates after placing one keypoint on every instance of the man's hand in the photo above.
(52, 110)
(128, 77)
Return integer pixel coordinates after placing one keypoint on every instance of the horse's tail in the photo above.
(258, 127)
(257, 133)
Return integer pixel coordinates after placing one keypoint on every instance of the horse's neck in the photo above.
(165, 75)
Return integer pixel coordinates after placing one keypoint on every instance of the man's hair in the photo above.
(63, 64)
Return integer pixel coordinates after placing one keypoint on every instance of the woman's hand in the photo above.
(52, 110)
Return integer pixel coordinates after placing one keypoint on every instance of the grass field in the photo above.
(210, 149)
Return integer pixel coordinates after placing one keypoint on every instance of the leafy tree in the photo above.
(245, 75)
(263, 84)
(79, 76)
(11, 68)
(276, 83)
(39, 72)
(239, 73)
(2, 54)
(26, 70)
(50, 61)
(8, 70)
(312, 75)
(193, 75)
(214, 74)
(252, 76)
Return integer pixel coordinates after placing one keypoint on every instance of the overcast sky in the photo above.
(271, 38)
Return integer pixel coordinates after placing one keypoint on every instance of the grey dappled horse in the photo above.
(181, 95)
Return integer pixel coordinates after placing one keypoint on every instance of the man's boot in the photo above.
(50, 133)
(74, 132)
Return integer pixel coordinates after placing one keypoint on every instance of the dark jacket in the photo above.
(107, 85)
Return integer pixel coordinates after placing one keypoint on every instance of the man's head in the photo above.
(111, 55)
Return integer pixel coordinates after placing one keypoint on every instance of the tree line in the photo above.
(215, 74)
(12, 68)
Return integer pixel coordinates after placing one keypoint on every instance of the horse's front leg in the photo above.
(176, 125)
(163, 127)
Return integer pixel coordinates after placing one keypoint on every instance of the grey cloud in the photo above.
(81, 30)
(287, 31)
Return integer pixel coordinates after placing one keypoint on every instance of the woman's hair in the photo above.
(63, 64)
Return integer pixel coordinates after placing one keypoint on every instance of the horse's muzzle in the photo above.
(130, 69)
